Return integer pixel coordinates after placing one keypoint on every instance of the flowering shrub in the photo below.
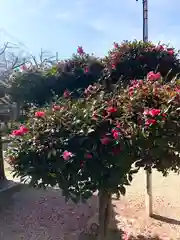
(126, 61)
(30, 86)
(133, 60)
(155, 112)
(38, 86)
(75, 144)
(93, 142)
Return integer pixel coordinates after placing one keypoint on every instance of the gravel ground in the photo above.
(36, 214)
(131, 215)
(43, 215)
(39, 215)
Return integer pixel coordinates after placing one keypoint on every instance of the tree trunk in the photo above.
(104, 213)
(2, 172)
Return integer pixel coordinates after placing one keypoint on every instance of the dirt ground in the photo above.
(39, 215)
(32, 214)
(131, 215)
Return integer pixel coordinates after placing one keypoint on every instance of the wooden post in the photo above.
(104, 213)
(2, 172)
(149, 197)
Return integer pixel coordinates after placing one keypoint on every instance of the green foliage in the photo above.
(39, 86)
(133, 60)
(79, 128)
(93, 142)
(127, 61)
(30, 86)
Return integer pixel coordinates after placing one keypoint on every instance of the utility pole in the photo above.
(149, 198)
(145, 20)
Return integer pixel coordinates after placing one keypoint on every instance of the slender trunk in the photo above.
(2, 172)
(104, 213)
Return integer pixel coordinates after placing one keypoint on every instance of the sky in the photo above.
(62, 25)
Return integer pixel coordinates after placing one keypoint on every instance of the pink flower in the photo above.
(134, 82)
(17, 133)
(149, 122)
(153, 112)
(111, 110)
(86, 70)
(105, 140)
(151, 76)
(21, 131)
(67, 94)
(39, 114)
(146, 112)
(170, 51)
(116, 45)
(88, 155)
(80, 50)
(131, 93)
(67, 155)
(177, 90)
(57, 108)
(160, 48)
(24, 129)
(113, 66)
(115, 134)
(23, 68)
(131, 89)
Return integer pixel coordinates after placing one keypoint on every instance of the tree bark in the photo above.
(2, 172)
(104, 213)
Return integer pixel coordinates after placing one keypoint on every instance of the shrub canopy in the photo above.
(126, 61)
(94, 142)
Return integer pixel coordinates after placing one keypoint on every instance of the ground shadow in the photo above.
(118, 234)
(43, 213)
(166, 219)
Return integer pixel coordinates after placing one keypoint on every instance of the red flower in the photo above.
(86, 70)
(24, 129)
(170, 51)
(160, 48)
(80, 50)
(177, 90)
(67, 94)
(88, 155)
(115, 134)
(131, 89)
(67, 155)
(151, 76)
(39, 114)
(152, 112)
(116, 45)
(57, 108)
(111, 110)
(131, 93)
(17, 133)
(149, 122)
(113, 66)
(105, 140)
